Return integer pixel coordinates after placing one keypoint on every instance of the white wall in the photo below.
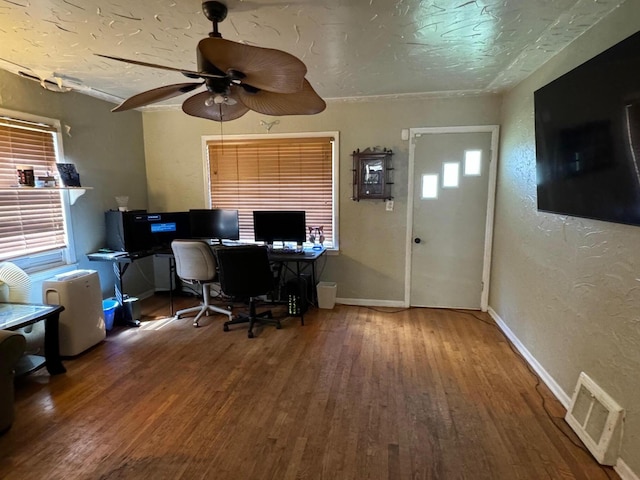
(372, 241)
(108, 152)
(568, 288)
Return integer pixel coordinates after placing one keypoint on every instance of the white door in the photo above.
(449, 248)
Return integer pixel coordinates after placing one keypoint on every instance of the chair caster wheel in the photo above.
(250, 335)
(225, 328)
(278, 327)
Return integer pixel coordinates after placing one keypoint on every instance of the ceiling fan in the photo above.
(237, 77)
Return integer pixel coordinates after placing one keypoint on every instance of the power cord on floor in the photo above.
(538, 380)
(400, 310)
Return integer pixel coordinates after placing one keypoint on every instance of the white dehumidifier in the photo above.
(82, 321)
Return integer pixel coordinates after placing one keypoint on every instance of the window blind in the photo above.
(31, 220)
(273, 174)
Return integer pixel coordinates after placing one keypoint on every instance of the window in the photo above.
(276, 172)
(473, 162)
(450, 174)
(430, 186)
(33, 232)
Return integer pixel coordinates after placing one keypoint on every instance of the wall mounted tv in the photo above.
(588, 138)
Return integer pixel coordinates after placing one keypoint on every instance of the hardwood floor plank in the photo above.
(356, 393)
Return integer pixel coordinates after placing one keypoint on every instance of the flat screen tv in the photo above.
(587, 129)
(279, 226)
(214, 224)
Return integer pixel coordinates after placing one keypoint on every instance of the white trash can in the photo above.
(326, 294)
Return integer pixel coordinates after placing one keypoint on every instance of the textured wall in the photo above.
(372, 240)
(108, 154)
(569, 288)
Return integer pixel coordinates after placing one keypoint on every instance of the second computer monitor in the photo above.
(215, 224)
(279, 226)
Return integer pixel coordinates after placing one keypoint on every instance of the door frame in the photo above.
(491, 200)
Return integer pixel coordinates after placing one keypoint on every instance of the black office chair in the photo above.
(245, 271)
(195, 263)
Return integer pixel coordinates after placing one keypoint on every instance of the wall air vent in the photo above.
(597, 419)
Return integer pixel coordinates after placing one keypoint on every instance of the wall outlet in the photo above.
(389, 205)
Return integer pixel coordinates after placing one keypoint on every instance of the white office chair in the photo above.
(195, 263)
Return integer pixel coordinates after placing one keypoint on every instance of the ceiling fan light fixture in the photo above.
(238, 78)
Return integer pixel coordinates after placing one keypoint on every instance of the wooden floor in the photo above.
(356, 393)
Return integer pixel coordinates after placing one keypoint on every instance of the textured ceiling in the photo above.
(352, 48)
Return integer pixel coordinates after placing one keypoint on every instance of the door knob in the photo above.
(417, 240)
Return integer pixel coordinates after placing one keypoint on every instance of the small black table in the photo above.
(17, 315)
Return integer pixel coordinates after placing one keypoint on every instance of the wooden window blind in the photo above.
(273, 174)
(31, 220)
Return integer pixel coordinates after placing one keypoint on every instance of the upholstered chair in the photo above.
(12, 346)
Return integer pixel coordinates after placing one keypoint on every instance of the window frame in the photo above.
(335, 164)
(38, 262)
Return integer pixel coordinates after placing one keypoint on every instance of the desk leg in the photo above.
(52, 345)
(118, 270)
(172, 269)
(302, 292)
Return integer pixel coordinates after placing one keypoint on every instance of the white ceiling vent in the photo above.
(597, 419)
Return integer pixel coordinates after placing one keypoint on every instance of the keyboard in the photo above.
(287, 251)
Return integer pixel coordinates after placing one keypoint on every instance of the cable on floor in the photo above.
(538, 380)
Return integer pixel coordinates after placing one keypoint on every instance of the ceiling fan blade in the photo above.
(156, 95)
(187, 73)
(220, 112)
(263, 68)
(305, 102)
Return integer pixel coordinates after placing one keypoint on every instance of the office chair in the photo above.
(195, 263)
(245, 271)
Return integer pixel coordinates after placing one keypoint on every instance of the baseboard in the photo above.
(548, 380)
(624, 471)
(621, 467)
(361, 302)
(146, 294)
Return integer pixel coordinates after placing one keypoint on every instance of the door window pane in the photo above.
(472, 162)
(430, 186)
(450, 174)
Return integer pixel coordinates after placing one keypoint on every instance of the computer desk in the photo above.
(295, 263)
(120, 262)
(301, 262)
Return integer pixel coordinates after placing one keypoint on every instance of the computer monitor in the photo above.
(215, 224)
(162, 228)
(279, 226)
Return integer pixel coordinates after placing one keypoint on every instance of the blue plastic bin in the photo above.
(109, 307)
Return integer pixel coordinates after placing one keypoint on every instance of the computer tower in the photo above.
(298, 294)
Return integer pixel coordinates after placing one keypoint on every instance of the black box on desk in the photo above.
(121, 232)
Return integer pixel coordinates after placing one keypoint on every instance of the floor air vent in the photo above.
(597, 419)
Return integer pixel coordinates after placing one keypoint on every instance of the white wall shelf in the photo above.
(74, 192)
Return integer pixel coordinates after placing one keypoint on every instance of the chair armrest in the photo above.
(12, 346)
